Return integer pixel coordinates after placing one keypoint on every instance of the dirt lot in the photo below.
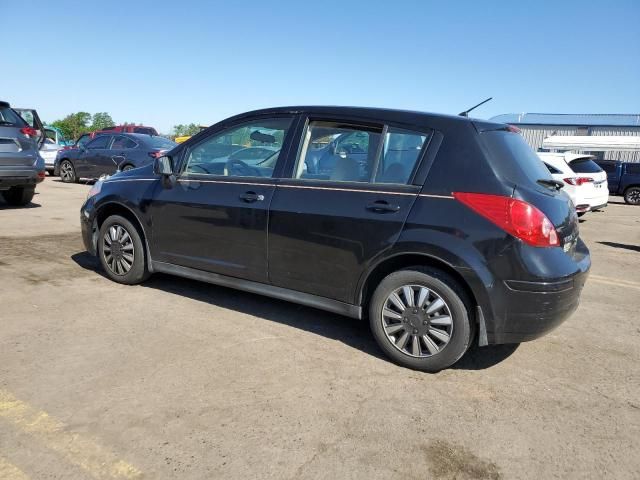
(177, 379)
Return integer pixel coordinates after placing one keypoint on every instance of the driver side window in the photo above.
(247, 150)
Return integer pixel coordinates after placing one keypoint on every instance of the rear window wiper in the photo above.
(547, 182)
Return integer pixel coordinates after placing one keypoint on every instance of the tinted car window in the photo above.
(99, 142)
(584, 165)
(633, 168)
(9, 118)
(401, 152)
(607, 167)
(160, 142)
(551, 169)
(123, 142)
(83, 140)
(213, 154)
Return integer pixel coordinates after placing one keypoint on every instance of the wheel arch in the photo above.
(400, 261)
(115, 208)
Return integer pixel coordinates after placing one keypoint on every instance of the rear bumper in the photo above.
(18, 177)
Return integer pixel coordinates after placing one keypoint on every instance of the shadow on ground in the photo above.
(349, 331)
(625, 246)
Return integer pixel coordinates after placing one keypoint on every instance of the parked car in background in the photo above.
(623, 179)
(584, 181)
(54, 142)
(107, 153)
(129, 129)
(21, 166)
(184, 138)
(439, 230)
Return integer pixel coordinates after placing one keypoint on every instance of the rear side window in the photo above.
(161, 143)
(123, 142)
(584, 165)
(513, 157)
(633, 169)
(9, 118)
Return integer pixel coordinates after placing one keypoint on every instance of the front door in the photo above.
(328, 224)
(215, 217)
(91, 161)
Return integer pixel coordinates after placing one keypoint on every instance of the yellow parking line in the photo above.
(99, 462)
(11, 472)
(615, 281)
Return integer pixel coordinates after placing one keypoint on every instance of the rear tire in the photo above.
(429, 336)
(19, 196)
(632, 196)
(581, 214)
(126, 168)
(121, 251)
(68, 172)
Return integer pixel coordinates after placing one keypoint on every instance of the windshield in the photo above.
(9, 118)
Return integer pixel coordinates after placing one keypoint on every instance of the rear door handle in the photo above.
(251, 197)
(382, 206)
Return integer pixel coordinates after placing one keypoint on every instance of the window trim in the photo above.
(383, 127)
(287, 141)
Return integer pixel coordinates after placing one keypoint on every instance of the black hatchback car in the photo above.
(438, 229)
(107, 153)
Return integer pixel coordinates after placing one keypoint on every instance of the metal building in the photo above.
(536, 127)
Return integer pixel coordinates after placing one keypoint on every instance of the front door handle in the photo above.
(382, 206)
(251, 197)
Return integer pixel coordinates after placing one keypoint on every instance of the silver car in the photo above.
(21, 165)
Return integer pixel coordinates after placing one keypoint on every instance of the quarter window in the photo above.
(345, 153)
(249, 150)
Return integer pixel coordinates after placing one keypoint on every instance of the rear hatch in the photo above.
(585, 167)
(17, 143)
(517, 165)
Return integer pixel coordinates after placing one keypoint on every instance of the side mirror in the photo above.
(163, 165)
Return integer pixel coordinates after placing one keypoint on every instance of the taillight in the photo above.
(156, 154)
(578, 180)
(518, 218)
(513, 129)
(29, 131)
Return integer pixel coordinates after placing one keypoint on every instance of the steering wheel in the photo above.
(238, 168)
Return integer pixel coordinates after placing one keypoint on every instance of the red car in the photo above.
(130, 129)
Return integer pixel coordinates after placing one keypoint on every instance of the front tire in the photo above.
(19, 196)
(420, 318)
(121, 251)
(68, 172)
(632, 196)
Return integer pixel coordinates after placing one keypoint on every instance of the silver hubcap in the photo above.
(417, 321)
(66, 171)
(117, 249)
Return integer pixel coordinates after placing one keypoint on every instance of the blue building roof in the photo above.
(576, 119)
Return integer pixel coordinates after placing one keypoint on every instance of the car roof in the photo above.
(412, 117)
(4, 104)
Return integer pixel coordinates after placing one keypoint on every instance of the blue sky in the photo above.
(165, 62)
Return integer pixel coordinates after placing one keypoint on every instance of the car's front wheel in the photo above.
(121, 251)
(68, 172)
(632, 196)
(419, 318)
(19, 196)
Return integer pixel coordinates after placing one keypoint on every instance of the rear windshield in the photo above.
(9, 118)
(514, 157)
(161, 143)
(584, 165)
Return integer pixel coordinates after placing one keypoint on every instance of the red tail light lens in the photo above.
(29, 131)
(517, 218)
(578, 180)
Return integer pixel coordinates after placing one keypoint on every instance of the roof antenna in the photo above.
(466, 112)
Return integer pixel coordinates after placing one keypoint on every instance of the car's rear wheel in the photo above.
(121, 251)
(19, 196)
(420, 319)
(632, 196)
(126, 168)
(68, 172)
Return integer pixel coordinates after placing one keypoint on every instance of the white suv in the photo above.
(584, 181)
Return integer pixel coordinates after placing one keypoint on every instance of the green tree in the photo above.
(74, 125)
(182, 130)
(101, 120)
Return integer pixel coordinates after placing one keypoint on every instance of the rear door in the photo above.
(327, 224)
(33, 120)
